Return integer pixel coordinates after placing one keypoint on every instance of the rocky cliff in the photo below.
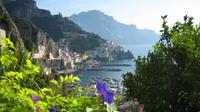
(26, 34)
(26, 9)
(7, 24)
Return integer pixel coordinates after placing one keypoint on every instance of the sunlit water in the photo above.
(137, 50)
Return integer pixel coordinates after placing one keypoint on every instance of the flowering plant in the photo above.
(107, 96)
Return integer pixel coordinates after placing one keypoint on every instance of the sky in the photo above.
(145, 14)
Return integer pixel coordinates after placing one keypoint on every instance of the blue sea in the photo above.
(137, 50)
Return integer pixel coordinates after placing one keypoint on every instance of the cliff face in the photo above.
(26, 9)
(7, 24)
(25, 33)
(54, 25)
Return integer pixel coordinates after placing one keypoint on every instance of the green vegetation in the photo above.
(56, 25)
(81, 45)
(22, 91)
(28, 32)
(167, 80)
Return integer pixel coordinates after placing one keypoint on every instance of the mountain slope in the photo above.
(110, 29)
(57, 26)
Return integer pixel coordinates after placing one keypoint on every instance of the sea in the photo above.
(137, 50)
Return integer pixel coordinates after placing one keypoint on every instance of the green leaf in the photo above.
(53, 81)
(46, 90)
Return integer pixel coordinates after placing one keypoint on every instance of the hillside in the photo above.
(110, 29)
(56, 26)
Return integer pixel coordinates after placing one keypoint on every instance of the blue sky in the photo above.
(142, 13)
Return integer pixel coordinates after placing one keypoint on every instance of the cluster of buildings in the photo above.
(106, 52)
(68, 61)
(65, 60)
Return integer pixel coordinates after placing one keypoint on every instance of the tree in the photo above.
(167, 80)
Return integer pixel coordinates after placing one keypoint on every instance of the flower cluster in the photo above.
(106, 95)
(36, 99)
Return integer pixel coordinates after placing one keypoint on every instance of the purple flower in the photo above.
(35, 98)
(53, 109)
(107, 96)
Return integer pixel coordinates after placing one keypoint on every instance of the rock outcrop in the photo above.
(7, 24)
(26, 9)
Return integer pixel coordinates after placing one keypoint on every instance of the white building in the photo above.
(103, 52)
(68, 61)
(40, 52)
(2, 35)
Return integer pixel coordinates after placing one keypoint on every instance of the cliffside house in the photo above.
(40, 52)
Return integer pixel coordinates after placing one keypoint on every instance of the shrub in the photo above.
(20, 92)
